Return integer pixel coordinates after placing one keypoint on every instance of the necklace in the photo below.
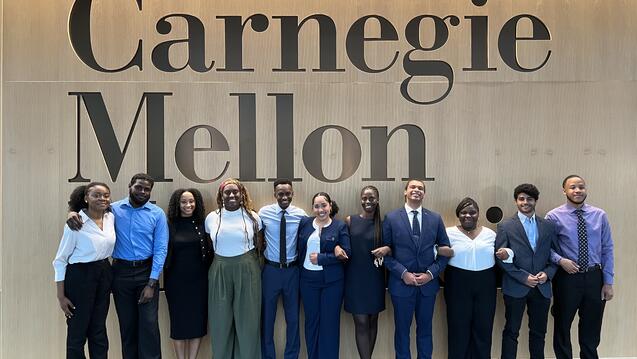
(469, 233)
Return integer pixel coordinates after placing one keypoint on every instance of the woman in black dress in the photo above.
(186, 272)
(364, 273)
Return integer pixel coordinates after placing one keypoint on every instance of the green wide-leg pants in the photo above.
(234, 306)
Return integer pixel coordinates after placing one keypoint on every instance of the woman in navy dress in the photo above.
(186, 271)
(364, 273)
(322, 276)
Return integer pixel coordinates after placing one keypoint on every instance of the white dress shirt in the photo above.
(410, 215)
(474, 254)
(89, 244)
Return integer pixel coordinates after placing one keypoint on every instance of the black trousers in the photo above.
(577, 293)
(138, 323)
(470, 297)
(88, 287)
(538, 311)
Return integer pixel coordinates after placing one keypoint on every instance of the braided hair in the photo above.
(245, 207)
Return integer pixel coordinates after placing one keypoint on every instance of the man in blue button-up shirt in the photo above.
(140, 250)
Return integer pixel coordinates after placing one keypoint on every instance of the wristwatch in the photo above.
(152, 283)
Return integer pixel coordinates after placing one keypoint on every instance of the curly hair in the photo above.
(527, 188)
(173, 205)
(246, 206)
(76, 199)
(246, 201)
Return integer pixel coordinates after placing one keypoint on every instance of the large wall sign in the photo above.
(472, 96)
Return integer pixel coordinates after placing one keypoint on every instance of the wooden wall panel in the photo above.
(495, 130)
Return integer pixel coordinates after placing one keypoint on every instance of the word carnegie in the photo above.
(236, 27)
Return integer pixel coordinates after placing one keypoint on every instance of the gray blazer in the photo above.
(511, 234)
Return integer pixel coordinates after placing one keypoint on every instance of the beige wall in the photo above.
(495, 130)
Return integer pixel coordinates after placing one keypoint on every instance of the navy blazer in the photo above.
(413, 256)
(511, 234)
(336, 233)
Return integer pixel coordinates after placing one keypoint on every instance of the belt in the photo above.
(99, 261)
(139, 263)
(282, 265)
(590, 269)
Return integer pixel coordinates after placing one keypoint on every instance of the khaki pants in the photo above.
(234, 306)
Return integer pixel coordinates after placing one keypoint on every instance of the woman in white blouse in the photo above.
(470, 284)
(83, 273)
(234, 278)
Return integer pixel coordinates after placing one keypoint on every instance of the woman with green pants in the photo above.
(234, 279)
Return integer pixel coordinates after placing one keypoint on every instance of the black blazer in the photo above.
(336, 233)
(511, 234)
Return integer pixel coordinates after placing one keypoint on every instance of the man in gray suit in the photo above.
(526, 281)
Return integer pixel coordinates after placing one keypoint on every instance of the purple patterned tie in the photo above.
(582, 239)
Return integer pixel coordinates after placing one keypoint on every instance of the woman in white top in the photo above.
(83, 273)
(234, 278)
(470, 285)
(322, 276)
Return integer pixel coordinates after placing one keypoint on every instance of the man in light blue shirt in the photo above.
(141, 243)
(526, 282)
(280, 275)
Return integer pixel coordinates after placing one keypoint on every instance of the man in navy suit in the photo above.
(526, 281)
(412, 232)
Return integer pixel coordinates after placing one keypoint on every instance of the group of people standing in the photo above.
(226, 271)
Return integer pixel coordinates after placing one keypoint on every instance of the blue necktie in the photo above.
(530, 229)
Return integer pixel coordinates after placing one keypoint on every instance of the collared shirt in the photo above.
(142, 233)
(530, 228)
(313, 246)
(410, 215)
(231, 232)
(89, 244)
(271, 218)
(600, 242)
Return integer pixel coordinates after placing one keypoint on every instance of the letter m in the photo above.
(111, 150)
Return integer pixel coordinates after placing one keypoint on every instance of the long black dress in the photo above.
(186, 281)
(364, 283)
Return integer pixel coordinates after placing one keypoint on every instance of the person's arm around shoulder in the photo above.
(74, 221)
